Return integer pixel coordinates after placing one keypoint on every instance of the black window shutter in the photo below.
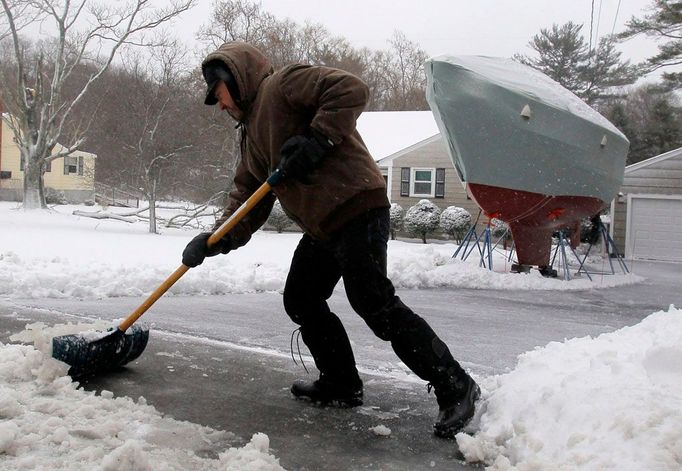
(80, 165)
(66, 165)
(440, 183)
(405, 181)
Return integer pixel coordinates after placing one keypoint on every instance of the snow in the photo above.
(50, 424)
(454, 219)
(57, 255)
(381, 431)
(610, 402)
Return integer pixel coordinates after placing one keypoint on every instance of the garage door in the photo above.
(654, 228)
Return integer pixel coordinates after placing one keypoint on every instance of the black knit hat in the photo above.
(215, 71)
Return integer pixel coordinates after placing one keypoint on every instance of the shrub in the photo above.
(278, 219)
(455, 222)
(53, 196)
(499, 228)
(590, 231)
(422, 219)
(396, 213)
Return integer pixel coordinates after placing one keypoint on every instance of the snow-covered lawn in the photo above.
(55, 254)
(611, 402)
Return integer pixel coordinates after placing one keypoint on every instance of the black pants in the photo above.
(358, 254)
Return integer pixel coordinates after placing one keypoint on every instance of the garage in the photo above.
(647, 213)
(654, 228)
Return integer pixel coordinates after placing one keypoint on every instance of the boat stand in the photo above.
(611, 252)
(471, 237)
(483, 242)
(561, 252)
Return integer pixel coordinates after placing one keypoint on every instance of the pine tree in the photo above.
(650, 119)
(663, 22)
(662, 133)
(563, 55)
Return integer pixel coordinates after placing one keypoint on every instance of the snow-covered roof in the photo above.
(645, 163)
(387, 132)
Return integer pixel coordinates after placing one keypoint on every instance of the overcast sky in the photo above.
(488, 27)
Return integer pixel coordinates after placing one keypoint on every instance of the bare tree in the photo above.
(86, 32)
(395, 76)
(157, 141)
(236, 20)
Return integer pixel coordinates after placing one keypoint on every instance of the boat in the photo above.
(528, 151)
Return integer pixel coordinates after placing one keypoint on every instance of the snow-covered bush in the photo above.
(590, 230)
(422, 219)
(278, 219)
(396, 213)
(455, 221)
(53, 196)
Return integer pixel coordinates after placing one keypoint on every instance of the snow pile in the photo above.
(48, 424)
(610, 402)
(55, 254)
(381, 431)
(432, 266)
(41, 335)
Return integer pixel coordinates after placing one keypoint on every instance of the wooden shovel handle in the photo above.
(218, 234)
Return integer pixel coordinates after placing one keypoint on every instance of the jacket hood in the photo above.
(248, 65)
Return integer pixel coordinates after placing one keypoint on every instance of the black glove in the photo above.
(299, 155)
(197, 249)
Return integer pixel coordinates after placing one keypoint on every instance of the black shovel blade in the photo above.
(99, 351)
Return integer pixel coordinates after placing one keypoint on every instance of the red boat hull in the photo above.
(534, 217)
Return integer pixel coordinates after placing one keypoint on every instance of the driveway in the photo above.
(225, 362)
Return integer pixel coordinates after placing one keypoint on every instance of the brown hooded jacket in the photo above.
(293, 100)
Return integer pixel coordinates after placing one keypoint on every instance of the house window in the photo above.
(423, 182)
(22, 164)
(73, 165)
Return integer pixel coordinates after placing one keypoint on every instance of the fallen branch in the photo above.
(103, 215)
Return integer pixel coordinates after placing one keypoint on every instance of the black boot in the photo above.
(547, 271)
(326, 392)
(456, 403)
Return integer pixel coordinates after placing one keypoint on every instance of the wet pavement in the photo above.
(225, 362)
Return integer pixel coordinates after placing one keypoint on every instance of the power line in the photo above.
(615, 18)
(596, 31)
(591, 24)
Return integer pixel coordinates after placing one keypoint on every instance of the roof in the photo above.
(388, 132)
(654, 160)
(387, 160)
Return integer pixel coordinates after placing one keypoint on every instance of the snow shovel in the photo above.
(93, 352)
